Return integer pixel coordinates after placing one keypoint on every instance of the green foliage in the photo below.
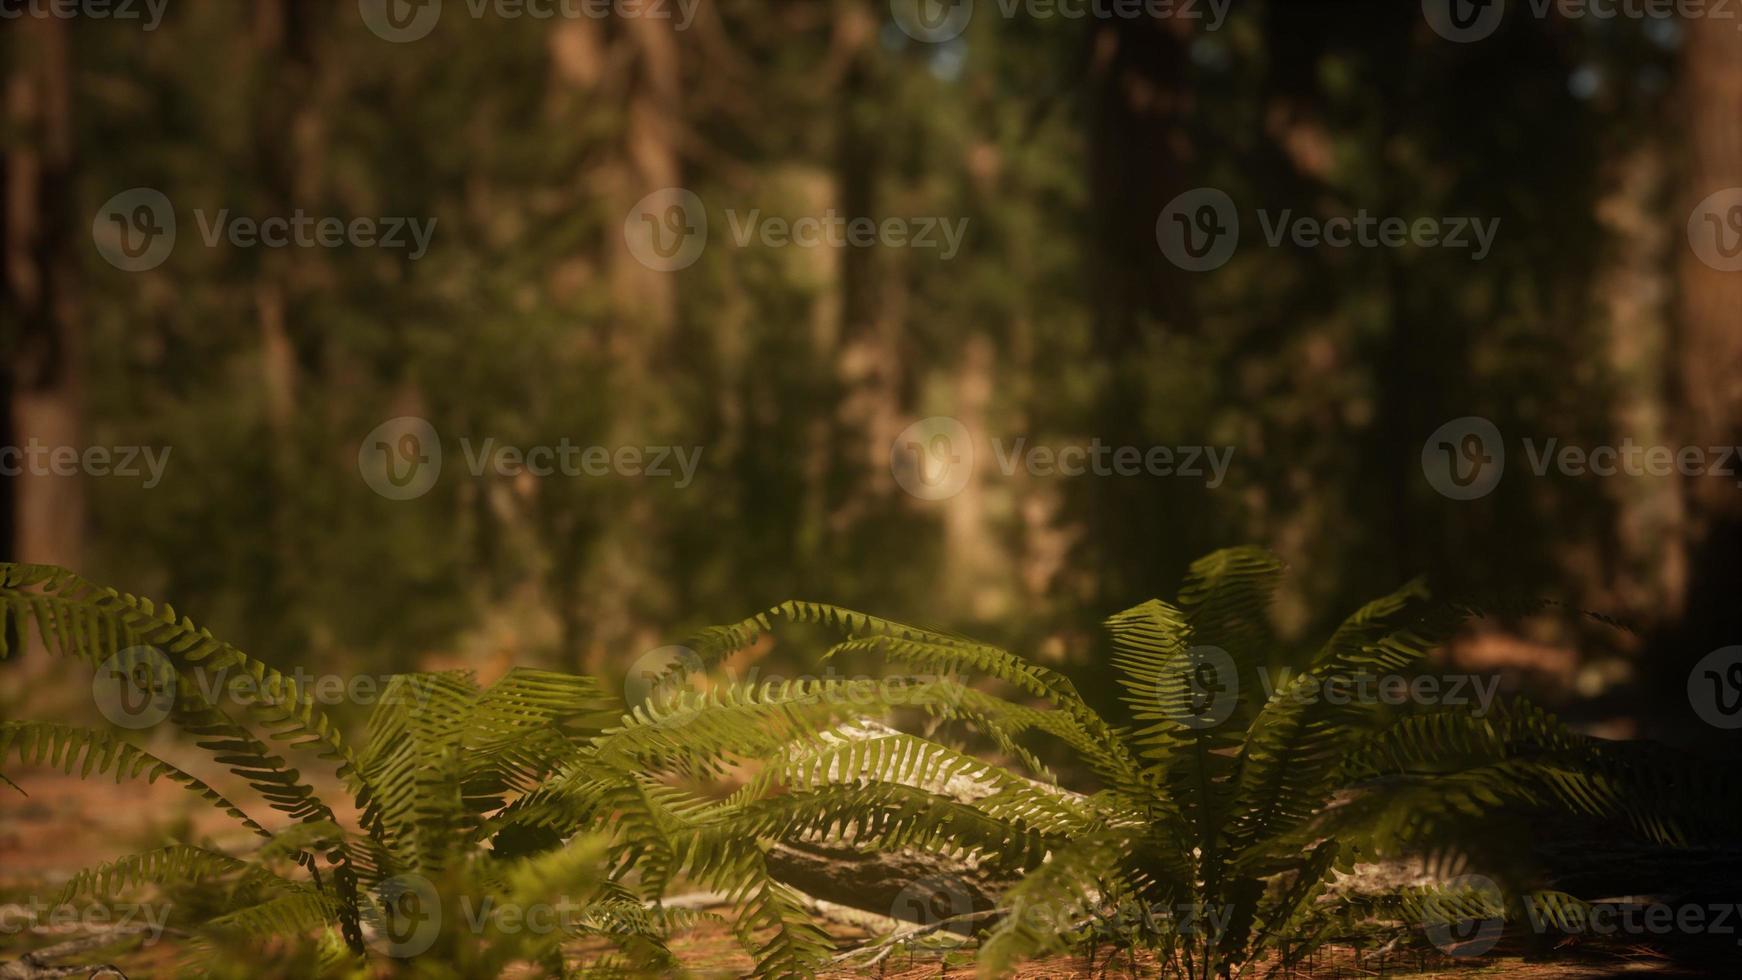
(1222, 816)
(1236, 799)
(475, 808)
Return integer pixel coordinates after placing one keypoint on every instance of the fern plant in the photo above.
(529, 795)
(1225, 808)
(1234, 806)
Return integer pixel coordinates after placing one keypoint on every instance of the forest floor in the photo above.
(66, 824)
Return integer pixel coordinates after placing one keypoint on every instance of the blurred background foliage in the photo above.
(1060, 321)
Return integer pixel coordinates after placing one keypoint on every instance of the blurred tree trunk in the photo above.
(1711, 341)
(45, 349)
(1139, 143)
(600, 574)
(1710, 352)
(1635, 291)
(284, 75)
(284, 59)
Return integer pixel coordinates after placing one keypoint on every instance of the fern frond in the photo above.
(911, 761)
(79, 619)
(294, 914)
(70, 748)
(698, 733)
(177, 863)
(1043, 907)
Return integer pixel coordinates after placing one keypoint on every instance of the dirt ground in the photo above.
(65, 824)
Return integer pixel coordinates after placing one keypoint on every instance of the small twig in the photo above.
(888, 944)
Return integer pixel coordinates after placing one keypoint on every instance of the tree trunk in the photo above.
(1708, 372)
(46, 376)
